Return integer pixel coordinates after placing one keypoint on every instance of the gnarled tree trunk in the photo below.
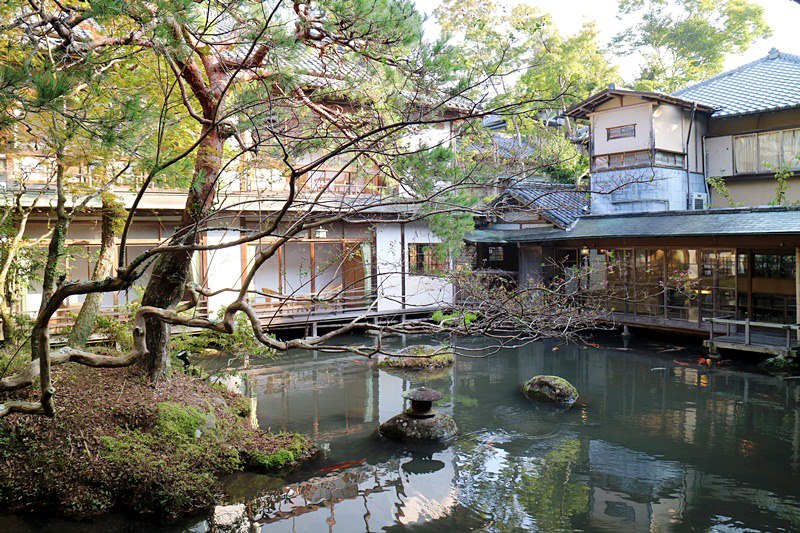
(84, 323)
(56, 250)
(171, 271)
(6, 291)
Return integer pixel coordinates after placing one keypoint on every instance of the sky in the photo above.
(783, 17)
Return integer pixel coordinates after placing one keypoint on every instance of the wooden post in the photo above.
(747, 331)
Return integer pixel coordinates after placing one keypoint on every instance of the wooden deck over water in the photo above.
(725, 333)
(764, 342)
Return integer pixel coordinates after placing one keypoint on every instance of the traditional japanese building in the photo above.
(679, 233)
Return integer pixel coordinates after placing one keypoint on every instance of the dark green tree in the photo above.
(683, 41)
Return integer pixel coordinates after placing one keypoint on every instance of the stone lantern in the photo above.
(421, 422)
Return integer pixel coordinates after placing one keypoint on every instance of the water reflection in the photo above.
(654, 444)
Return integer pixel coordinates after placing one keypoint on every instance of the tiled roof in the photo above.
(767, 84)
(586, 107)
(559, 204)
(708, 223)
(509, 147)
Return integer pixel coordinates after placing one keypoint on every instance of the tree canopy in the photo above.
(683, 41)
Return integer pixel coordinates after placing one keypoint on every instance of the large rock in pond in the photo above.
(420, 357)
(552, 389)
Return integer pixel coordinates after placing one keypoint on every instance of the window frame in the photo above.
(759, 159)
(492, 254)
(619, 132)
(423, 259)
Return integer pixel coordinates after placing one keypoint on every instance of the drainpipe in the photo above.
(688, 172)
(705, 167)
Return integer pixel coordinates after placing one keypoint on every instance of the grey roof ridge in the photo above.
(781, 55)
(697, 212)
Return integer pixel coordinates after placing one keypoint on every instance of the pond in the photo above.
(657, 442)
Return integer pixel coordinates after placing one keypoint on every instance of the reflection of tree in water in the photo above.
(522, 490)
(555, 494)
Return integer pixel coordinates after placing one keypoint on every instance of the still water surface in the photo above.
(657, 442)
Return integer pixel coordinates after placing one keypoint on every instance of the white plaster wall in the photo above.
(719, 156)
(640, 115)
(224, 269)
(421, 291)
(429, 136)
(670, 127)
(389, 264)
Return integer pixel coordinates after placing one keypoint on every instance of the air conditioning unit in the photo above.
(699, 201)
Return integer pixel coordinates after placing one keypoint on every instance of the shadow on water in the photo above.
(655, 443)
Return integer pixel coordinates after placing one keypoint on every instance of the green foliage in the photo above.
(22, 325)
(117, 332)
(720, 187)
(782, 175)
(241, 342)
(13, 358)
(687, 40)
(464, 318)
(779, 362)
(50, 86)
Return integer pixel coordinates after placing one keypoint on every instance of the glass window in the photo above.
(669, 159)
(791, 148)
(769, 151)
(495, 254)
(424, 258)
(621, 132)
(745, 154)
(601, 162)
(773, 266)
(742, 260)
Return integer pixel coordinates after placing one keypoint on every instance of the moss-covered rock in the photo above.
(420, 357)
(285, 457)
(552, 389)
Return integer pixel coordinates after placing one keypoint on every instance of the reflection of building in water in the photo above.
(733, 428)
(333, 398)
(366, 498)
(634, 491)
(654, 445)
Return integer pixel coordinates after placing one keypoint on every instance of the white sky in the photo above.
(569, 15)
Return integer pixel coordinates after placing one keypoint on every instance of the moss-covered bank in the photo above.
(120, 443)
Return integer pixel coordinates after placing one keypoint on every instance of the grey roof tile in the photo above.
(559, 204)
(767, 84)
(708, 223)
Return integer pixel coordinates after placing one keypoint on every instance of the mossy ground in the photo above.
(120, 443)
(420, 357)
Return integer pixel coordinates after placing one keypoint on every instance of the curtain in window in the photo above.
(770, 151)
(791, 148)
(745, 154)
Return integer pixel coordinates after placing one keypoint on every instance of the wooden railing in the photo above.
(748, 328)
(288, 306)
(64, 317)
